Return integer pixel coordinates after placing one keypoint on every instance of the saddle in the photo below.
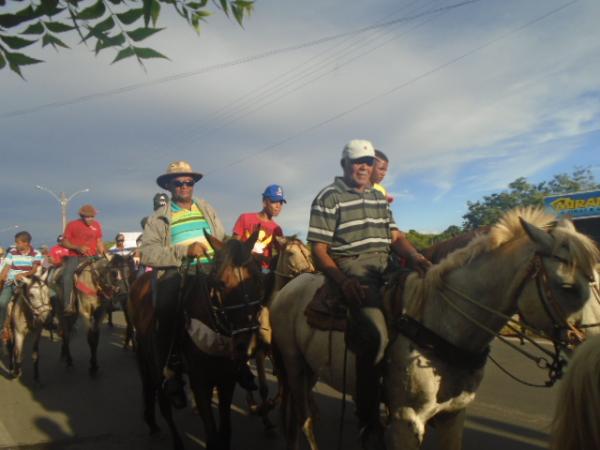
(326, 311)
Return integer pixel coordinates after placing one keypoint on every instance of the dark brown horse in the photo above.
(122, 272)
(226, 303)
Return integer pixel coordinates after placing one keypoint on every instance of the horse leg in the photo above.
(165, 409)
(449, 430)
(203, 391)
(65, 349)
(35, 355)
(225, 398)
(263, 389)
(405, 430)
(17, 352)
(129, 327)
(93, 337)
(300, 386)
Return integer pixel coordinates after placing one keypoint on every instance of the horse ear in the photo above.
(213, 241)
(281, 241)
(44, 275)
(538, 235)
(249, 243)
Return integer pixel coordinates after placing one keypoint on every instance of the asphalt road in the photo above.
(72, 411)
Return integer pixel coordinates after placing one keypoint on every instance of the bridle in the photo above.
(293, 273)
(220, 311)
(40, 309)
(553, 362)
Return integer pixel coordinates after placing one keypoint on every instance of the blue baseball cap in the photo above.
(274, 192)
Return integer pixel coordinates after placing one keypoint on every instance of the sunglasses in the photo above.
(120, 240)
(368, 160)
(179, 184)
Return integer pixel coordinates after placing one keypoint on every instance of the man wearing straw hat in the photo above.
(174, 233)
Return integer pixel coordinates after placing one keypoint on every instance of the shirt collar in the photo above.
(340, 183)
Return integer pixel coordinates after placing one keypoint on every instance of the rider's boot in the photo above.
(368, 398)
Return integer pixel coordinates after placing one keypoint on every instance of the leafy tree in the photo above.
(120, 25)
(522, 193)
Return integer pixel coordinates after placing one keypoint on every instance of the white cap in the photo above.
(358, 148)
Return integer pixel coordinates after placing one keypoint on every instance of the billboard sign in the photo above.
(577, 205)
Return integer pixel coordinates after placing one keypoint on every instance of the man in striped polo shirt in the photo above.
(352, 232)
(20, 262)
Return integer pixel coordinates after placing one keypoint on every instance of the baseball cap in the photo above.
(274, 192)
(358, 148)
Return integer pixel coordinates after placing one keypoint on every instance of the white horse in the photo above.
(543, 274)
(31, 311)
(294, 258)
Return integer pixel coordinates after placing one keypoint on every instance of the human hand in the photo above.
(197, 250)
(419, 263)
(83, 249)
(353, 292)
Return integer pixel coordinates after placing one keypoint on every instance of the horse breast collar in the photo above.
(444, 350)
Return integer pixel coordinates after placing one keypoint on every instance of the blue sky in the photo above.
(463, 100)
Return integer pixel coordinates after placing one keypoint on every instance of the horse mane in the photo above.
(438, 251)
(234, 254)
(582, 250)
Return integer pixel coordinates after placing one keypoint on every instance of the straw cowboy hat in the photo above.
(177, 169)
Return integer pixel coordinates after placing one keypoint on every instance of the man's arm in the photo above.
(402, 247)
(350, 286)
(29, 273)
(100, 247)
(82, 249)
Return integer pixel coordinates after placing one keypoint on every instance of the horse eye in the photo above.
(567, 287)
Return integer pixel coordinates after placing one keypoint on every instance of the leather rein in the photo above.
(551, 361)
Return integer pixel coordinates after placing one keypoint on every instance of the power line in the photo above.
(207, 69)
(257, 99)
(395, 88)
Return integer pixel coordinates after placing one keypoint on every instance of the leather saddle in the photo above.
(326, 310)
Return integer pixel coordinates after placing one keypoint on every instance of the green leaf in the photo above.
(58, 27)
(2, 62)
(130, 16)
(238, 13)
(151, 11)
(34, 28)
(197, 5)
(50, 39)
(95, 11)
(15, 68)
(49, 8)
(14, 19)
(225, 6)
(21, 59)
(142, 33)
(147, 53)
(112, 41)
(99, 30)
(16, 42)
(125, 53)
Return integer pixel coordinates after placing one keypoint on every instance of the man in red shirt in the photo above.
(247, 223)
(58, 252)
(83, 238)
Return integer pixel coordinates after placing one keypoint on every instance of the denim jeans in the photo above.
(5, 297)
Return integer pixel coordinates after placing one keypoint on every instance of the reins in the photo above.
(552, 361)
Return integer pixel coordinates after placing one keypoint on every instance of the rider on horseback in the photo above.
(266, 244)
(83, 238)
(352, 232)
(20, 262)
(175, 246)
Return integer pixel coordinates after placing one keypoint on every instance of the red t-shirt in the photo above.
(57, 253)
(78, 233)
(247, 223)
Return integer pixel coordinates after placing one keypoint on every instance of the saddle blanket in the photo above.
(325, 311)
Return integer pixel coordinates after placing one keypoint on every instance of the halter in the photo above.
(535, 271)
(36, 310)
(220, 311)
(294, 272)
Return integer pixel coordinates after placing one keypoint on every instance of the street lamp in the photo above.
(63, 200)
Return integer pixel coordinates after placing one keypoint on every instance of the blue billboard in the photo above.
(575, 205)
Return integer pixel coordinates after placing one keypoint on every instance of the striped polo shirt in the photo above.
(187, 227)
(21, 262)
(349, 221)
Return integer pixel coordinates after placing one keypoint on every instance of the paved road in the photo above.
(72, 411)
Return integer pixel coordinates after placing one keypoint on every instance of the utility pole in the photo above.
(63, 200)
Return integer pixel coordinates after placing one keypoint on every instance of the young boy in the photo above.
(21, 262)
(380, 169)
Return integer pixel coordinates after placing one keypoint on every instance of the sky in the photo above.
(463, 97)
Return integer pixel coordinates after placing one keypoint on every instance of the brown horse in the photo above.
(225, 304)
(122, 273)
